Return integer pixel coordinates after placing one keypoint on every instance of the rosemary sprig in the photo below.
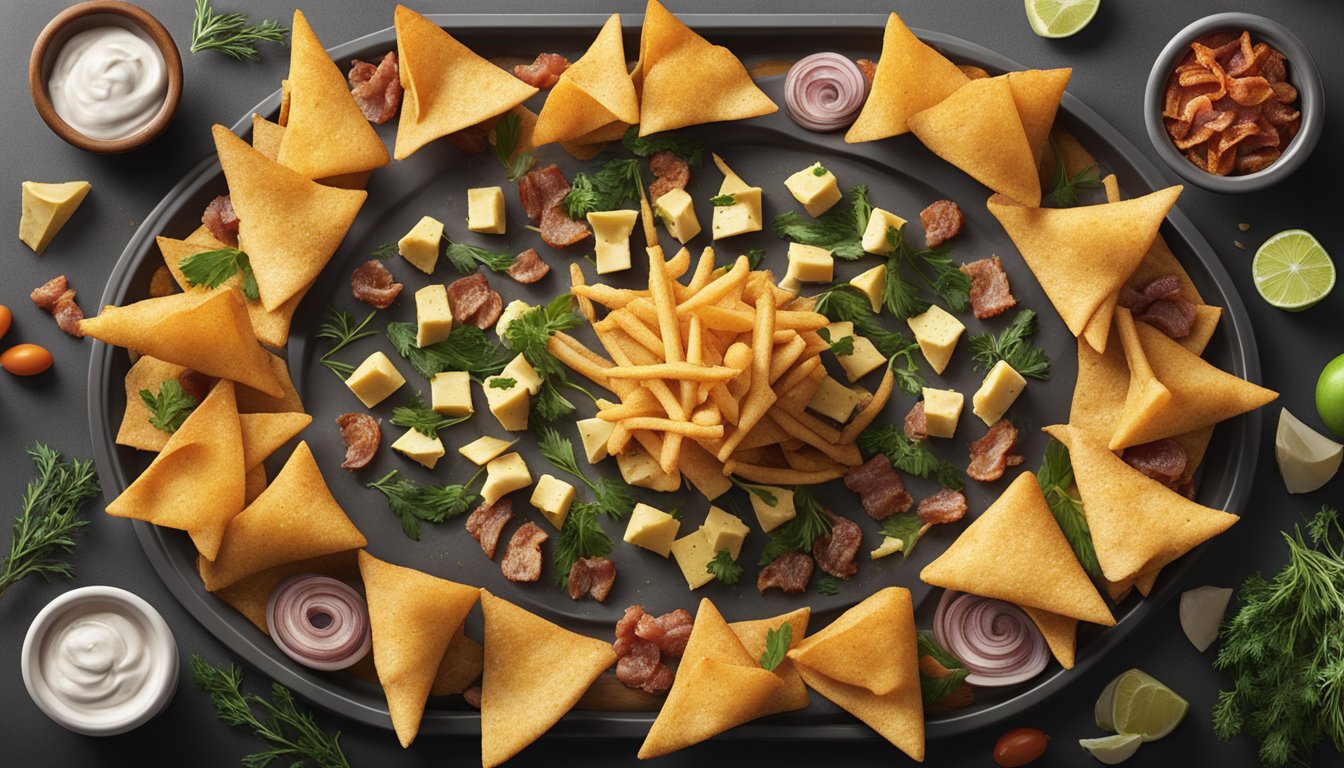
(49, 517)
(230, 33)
(341, 329)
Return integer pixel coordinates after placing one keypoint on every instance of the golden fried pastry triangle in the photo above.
(1037, 93)
(792, 693)
(1060, 633)
(837, 650)
(910, 78)
(264, 433)
(595, 91)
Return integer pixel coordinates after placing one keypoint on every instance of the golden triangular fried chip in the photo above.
(254, 482)
(671, 56)
(461, 666)
(266, 137)
(413, 616)
(843, 651)
(252, 401)
(148, 373)
(792, 694)
(596, 90)
(717, 696)
(535, 672)
(1146, 398)
(1099, 391)
(264, 433)
(1060, 632)
(1015, 551)
(1037, 93)
(1144, 581)
(910, 78)
(249, 595)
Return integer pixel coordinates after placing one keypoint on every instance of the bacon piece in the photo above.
(45, 296)
(945, 506)
(529, 267)
(1160, 304)
(542, 191)
(676, 626)
(942, 221)
(992, 454)
(869, 69)
(544, 72)
(560, 231)
(377, 89)
(373, 284)
(880, 489)
(990, 293)
(789, 573)
(638, 664)
(670, 172)
(640, 656)
(196, 384)
(1163, 460)
(222, 220)
(660, 681)
(56, 298)
(474, 302)
(917, 423)
(487, 522)
(835, 553)
(522, 560)
(472, 140)
(591, 576)
(361, 435)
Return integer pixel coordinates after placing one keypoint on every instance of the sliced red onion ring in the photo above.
(824, 91)
(318, 621)
(996, 640)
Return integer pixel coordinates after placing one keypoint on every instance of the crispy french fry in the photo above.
(611, 298)
(594, 371)
(864, 418)
(800, 321)
(674, 427)
(811, 460)
(722, 319)
(726, 285)
(811, 423)
(707, 415)
(815, 344)
(727, 404)
(660, 289)
(760, 396)
(676, 266)
(704, 271)
(784, 357)
(667, 458)
(681, 371)
(618, 440)
(641, 333)
(584, 303)
(845, 454)
(755, 473)
(646, 218)
(641, 402)
(766, 432)
(623, 351)
(797, 375)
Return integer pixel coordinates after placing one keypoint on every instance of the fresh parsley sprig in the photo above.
(839, 230)
(429, 503)
(932, 267)
(935, 689)
(759, 491)
(1056, 478)
(293, 734)
(606, 189)
(841, 347)
(170, 407)
(722, 200)
(427, 421)
(798, 535)
(1013, 346)
(230, 34)
(905, 526)
(690, 149)
(754, 257)
(1063, 192)
(529, 335)
(724, 568)
(464, 258)
(341, 329)
(467, 348)
(827, 585)
(48, 517)
(508, 132)
(777, 642)
(611, 497)
(386, 251)
(910, 456)
(210, 269)
(581, 536)
(845, 303)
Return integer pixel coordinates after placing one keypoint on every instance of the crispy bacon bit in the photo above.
(942, 221)
(522, 560)
(473, 696)
(990, 293)
(472, 140)
(641, 643)
(544, 72)
(474, 302)
(789, 573)
(373, 284)
(361, 434)
(835, 553)
(591, 576)
(487, 522)
(222, 220)
(560, 231)
(541, 191)
(992, 454)
(1163, 460)
(529, 267)
(1139, 300)
(917, 423)
(869, 69)
(46, 295)
(945, 506)
(676, 627)
(879, 488)
(670, 172)
(197, 384)
(57, 299)
(377, 89)
(1160, 304)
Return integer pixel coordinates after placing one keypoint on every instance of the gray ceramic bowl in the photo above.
(1302, 74)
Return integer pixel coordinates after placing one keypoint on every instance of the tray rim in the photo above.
(603, 724)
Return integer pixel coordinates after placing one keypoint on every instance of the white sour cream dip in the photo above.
(108, 82)
(97, 661)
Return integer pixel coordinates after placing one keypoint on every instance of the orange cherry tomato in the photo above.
(1019, 747)
(25, 360)
(6, 317)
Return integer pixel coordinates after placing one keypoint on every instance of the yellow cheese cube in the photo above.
(420, 246)
(503, 476)
(999, 390)
(693, 553)
(593, 433)
(433, 315)
(485, 210)
(46, 208)
(420, 448)
(807, 264)
(611, 235)
(640, 469)
(742, 216)
(839, 330)
(724, 530)
(863, 360)
(937, 333)
(450, 393)
(553, 497)
(875, 236)
(815, 188)
(834, 400)
(677, 211)
(942, 410)
(522, 372)
(652, 529)
(511, 312)
(483, 449)
(771, 516)
(509, 404)
(889, 546)
(374, 380)
(872, 283)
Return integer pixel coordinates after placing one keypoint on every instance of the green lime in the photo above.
(1135, 703)
(1292, 271)
(1113, 750)
(1060, 18)
(1330, 395)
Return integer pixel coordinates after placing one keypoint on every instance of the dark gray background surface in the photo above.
(1110, 61)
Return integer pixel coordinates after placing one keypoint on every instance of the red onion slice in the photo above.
(318, 621)
(824, 92)
(997, 641)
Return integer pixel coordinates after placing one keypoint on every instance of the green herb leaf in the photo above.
(935, 689)
(754, 257)
(777, 642)
(932, 267)
(905, 526)
(839, 230)
(48, 517)
(506, 135)
(722, 200)
(842, 348)
(386, 251)
(910, 456)
(529, 334)
(464, 258)
(604, 190)
(819, 170)
(341, 329)
(688, 149)
(230, 34)
(416, 415)
(724, 568)
(845, 303)
(612, 497)
(500, 382)
(756, 490)
(1063, 192)
(430, 503)
(170, 407)
(798, 535)
(1055, 478)
(581, 536)
(209, 269)
(1013, 346)
(828, 586)
(467, 348)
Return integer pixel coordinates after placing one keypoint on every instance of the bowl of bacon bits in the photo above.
(1234, 103)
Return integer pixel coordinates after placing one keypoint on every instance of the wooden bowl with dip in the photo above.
(105, 76)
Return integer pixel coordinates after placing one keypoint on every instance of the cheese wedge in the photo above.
(46, 208)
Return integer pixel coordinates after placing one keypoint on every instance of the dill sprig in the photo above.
(230, 33)
(1013, 346)
(930, 266)
(341, 329)
(49, 517)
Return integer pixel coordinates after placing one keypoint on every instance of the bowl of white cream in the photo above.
(99, 661)
(105, 76)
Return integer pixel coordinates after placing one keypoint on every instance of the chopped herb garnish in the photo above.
(841, 348)
(48, 517)
(612, 498)
(500, 382)
(230, 34)
(427, 421)
(507, 132)
(935, 689)
(932, 267)
(341, 329)
(464, 258)
(905, 526)
(430, 503)
(529, 334)
(754, 257)
(467, 348)
(581, 536)
(810, 523)
(910, 456)
(845, 303)
(777, 642)
(724, 567)
(1056, 478)
(819, 170)
(209, 269)
(759, 491)
(606, 189)
(1014, 347)
(839, 230)
(827, 585)
(386, 251)
(1063, 192)
(170, 407)
(722, 200)
(688, 149)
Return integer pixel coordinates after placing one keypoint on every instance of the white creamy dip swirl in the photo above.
(97, 661)
(108, 83)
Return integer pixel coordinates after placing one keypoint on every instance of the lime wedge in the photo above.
(1135, 703)
(1112, 750)
(1292, 271)
(1060, 18)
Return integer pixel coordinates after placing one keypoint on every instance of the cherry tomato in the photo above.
(5, 319)
(1020, 746)
(25, 360)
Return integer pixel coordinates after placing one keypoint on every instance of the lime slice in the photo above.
(1113, 750)
(1135, 703)
(1060, 18)
(1292, 271)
